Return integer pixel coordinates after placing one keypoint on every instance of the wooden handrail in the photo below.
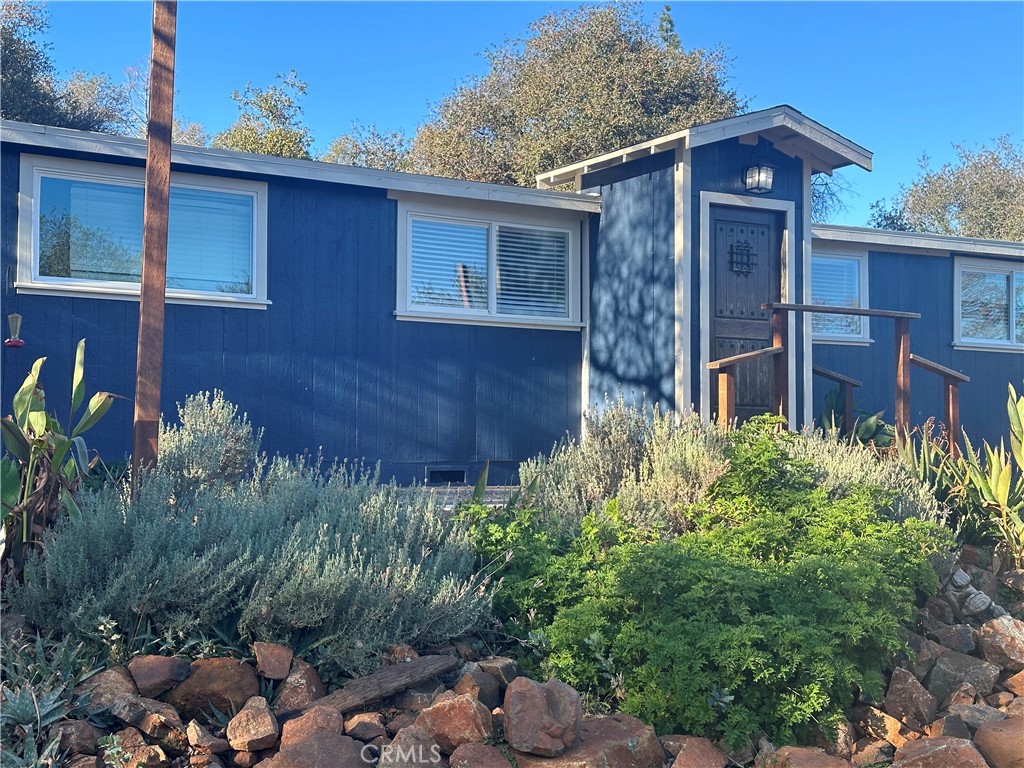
(951, 381)
(847, 384)
(941, 370)
(839, 378)
(726, 362)
(822, 309)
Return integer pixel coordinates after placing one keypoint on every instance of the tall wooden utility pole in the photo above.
(149, 368)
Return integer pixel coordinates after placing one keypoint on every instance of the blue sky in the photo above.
(902, 79)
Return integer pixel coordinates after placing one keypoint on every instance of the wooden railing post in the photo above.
(726, 396)
(780, 365)
(902, 378)
(952, 398)
(847, 406)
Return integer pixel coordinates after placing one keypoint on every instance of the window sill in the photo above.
(132, 294)
(843, 342)
(500, 322)
(972, 346)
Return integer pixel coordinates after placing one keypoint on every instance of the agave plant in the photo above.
(43, 464)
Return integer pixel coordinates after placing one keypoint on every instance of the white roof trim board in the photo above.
(945, 244)
(108, 145)
(790, 131)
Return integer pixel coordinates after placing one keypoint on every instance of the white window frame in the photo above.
(29, 280)
(413, 208)
(861, 257)
(995, 267)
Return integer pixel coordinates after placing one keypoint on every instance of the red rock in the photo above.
(908, 700)
(461, 720)
(804, 757)
(502, 668)
(419, 697)
(273, 661)
(76, 736)
(84, 761)
(1001, 642)
(695, 752)
(222, 683)
(965, 693)
(1015, 684)
(1015, 708)
(320, 749)
(950, 727)
(246, 759)
(365, 726)
(134, 752)
(924, 654)
(317, 719)
(301, 688)
(154, 718)
(254, 727)
(400, 653)
(882, 726)
(1002, 743)
(401, 719)
(541, 719)
(1000, 699)
(868, 751)
(976, 714)
(479, 756)
(204, 742)
(958, 637)
(953, 668)
(154, 675)
(106, 686)
(618, 741)
(467, 652)
(939, 753)
(412, 747)
(481, 685)
(205, 760)
(1014, 579)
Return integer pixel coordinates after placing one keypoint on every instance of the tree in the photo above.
(583, 82)
(979, 195)
(182, 131)
(271, 120)
(371, 148)
(30, 90)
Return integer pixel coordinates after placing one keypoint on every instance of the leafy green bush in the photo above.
(329, 561)
(783, 599)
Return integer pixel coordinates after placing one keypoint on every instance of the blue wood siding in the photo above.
(632, 283)
(327, 366)
(924, 284)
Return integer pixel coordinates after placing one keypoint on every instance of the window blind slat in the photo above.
(532, 270)
(448, 265)
(835, 282)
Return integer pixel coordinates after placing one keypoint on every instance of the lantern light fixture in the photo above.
(758, 178)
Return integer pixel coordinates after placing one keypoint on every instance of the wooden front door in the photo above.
(746, 256)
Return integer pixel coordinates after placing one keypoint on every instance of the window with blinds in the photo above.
(990, 304)
(487, 269)
(88, 225)
(836, 282)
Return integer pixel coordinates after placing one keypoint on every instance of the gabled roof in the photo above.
(199, 158)
(790, 131)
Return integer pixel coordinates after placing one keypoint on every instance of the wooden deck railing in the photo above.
(726, 370)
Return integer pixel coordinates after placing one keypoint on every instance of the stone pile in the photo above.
(957, 700)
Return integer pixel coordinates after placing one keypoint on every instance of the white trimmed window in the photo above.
(839, 280)
(989, 301)
(470, 266)
(80, 231)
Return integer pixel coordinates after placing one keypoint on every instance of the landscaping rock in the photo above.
(925, 653)
(618, 741)
(479, 684)
(154, 675)
(502, 668)
(868, 752)
(76, 736)
(204, 742)
(457, 721)
(695, 752)
(1015, 708)
(541, 718)
(84, 761)
(134, 752)
(273, 661)
(321, 749)
(803, 757)
(965, 693)
(245, 759)
(314, 720)
(400, 653)
(103, 688)
(939, 753)
(1002, 743)
(1000, 699)
(300, 689)
(950, 727)
(908, 700)
(205, 761)
(974, 715)
(412, 747)
(957, 637)
(1001, 642)
(479, 756)
(401, 718)
(419, 697)
(365, 726)
(882, 726)
(1014, 579)
(953, 668)
(254, 727)
(155, 719)
(222, 683)
(1015, 684)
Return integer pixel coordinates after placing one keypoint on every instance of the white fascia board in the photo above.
(944, 244)
(110, 146)
(568, 173)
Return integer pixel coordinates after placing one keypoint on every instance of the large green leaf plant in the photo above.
(43, 464)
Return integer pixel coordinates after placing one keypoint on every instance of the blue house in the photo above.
(432, 324)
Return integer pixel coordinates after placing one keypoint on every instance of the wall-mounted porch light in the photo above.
(14, 323)
(758, 178)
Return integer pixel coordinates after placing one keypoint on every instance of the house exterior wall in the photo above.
(326, 366)
(923, 283)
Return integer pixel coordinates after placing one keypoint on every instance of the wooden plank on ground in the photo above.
(387, 682)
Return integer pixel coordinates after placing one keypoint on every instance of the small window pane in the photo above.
(210, 241)
(532, 272)
(985, 305)
(835, 282)
(1019, 307)
(449, 265)
(89, 230)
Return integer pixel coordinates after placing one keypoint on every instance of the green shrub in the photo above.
(783, 599)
